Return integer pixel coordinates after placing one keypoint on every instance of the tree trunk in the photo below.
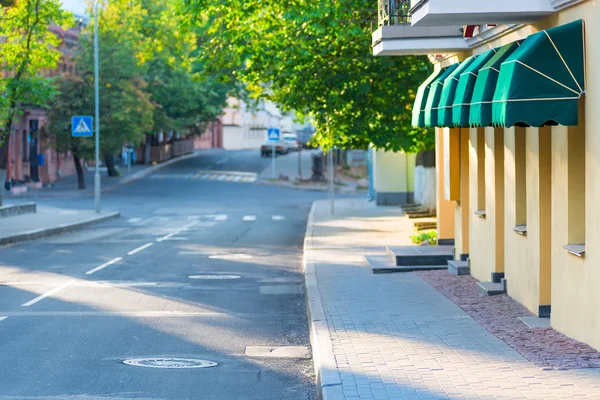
(3, 165)
(148, 149)
(109, 160)
(80, 175)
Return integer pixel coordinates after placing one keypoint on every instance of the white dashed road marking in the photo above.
(222, 161)
(49, 293)
(133, 220)
(106, 264)
(132, 252)
(249, 218)
(278, 217)
(177, 231)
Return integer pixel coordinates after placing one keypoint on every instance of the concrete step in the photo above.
(420, 255)
(458, 268)
(491, 288)
(382, 265)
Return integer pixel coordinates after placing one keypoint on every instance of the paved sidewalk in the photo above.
(48, 221)
(393, 336)
(67, 186)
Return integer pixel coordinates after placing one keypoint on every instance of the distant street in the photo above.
(196, 268)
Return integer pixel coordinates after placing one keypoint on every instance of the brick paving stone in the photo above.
(546, 347)
(400, 338)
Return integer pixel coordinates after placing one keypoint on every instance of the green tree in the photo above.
(74, 98)
(315, 58)
(125, 106)
(184, 99)
(27, 48)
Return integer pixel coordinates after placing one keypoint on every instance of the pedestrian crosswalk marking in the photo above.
(82, 127)
(222, 176)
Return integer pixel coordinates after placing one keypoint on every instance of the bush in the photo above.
(420, 237)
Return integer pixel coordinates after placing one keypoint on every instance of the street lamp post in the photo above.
(97, 117)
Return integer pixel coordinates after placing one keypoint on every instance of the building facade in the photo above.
(32, 157)
(513, 101)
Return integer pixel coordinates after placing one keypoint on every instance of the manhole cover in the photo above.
(170, 363)
(231, 256)
(209, 277)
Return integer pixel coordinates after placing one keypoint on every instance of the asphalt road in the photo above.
(79, 304)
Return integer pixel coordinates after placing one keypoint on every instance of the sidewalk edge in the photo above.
(329, 383)
(149, 170)
(40, 233)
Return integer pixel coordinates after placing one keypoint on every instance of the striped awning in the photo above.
(542, 81)
(418, 111)
(433, 98)
(464, 89)
(480, 110)
(448, 92)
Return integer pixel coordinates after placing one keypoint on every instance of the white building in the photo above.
(246, 128)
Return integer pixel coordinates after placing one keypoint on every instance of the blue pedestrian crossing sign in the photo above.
(273, 133)
(81, 126)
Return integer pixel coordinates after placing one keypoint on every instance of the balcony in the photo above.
(477, 12)
(396, 37)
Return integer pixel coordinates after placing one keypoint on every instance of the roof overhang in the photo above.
(476, 12)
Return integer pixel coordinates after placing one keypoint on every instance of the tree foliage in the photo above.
(315, 58)
(27, 48)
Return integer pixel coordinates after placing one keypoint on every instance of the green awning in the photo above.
(433, 98)
(418, 111)
(480, 112)
(541, 82)
(447, 97)
(464, 89)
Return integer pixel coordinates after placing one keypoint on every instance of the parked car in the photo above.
(267, 148)
(291, 140)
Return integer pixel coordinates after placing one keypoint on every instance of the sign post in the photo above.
(331, 180)
(273, 134)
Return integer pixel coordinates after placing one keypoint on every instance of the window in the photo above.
(576, 180)
(520, 181)
(25, 147)
(480, 172)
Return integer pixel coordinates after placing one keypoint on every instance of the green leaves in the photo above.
(28, 29)
(310, 57)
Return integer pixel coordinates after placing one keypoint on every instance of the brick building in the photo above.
(29, 142)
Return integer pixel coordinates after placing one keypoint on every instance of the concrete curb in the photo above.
(17, 209)
(290, 185)
(329, 382)
(149, 170)
(39, 233)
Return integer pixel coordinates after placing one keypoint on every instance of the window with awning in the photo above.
(464, 89)
(418, 111)
(542, 81)
(433, 98)
(448, 91)
(480, 109)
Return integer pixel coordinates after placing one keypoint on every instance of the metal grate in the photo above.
(393, 12)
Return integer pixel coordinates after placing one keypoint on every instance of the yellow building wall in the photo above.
(527, 257)
(575, 294)
(487, 231)
(538, 269)
(461, 207)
